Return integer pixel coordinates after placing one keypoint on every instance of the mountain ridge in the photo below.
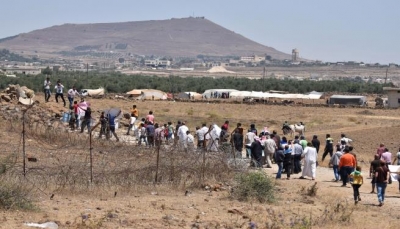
(172, 37)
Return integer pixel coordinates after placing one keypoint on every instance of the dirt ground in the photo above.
(164, 206)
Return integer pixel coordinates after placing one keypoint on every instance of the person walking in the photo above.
(382, 177)
(47, 92)
(143, 134)
(237, 140)
(71, 95)
(315, 142)
(356, 183)
(133, 118)
(381, 149)
(297, 152)
(372, 169)
(387, 158)
(269, 149)
(328, 147)
(86, 119)
(303, 142)
(59, 91)
(287, 161)
(150, 130)
(310, 162)
(279, 159)
(103, 125)
(347, 164)
(256, 152)
(397, 158)
(249, 139)
(150, 117)
(334, 162)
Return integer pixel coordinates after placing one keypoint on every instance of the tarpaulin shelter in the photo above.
(347, 99)
(153, 94)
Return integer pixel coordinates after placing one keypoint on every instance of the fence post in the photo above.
(23, 139)
(91, 157)
(157, 141)
(23, 144)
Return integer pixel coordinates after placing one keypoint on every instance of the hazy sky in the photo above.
(339, 30)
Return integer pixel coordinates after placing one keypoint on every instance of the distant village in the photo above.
(114, 61)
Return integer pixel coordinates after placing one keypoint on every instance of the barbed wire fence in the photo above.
(55, 159)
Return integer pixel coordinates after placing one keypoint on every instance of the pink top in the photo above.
(150, 118)
(387, 157)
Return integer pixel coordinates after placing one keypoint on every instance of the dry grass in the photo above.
(125, 170)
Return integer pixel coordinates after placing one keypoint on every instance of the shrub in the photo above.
(14, 196)
(254, 186)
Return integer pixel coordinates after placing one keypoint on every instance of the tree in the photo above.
(47, 71)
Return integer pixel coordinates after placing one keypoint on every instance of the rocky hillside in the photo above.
(186, 37)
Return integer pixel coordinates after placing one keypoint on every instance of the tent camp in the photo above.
(153, 94)
(348, 99)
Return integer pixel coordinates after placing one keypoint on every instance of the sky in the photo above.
(326, 30)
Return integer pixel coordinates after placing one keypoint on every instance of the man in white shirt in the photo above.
(200, 137)
(249, 139)
(204, 130)
(71, 95)
(182, 135)
(269, 150)
(47, 85)
(189, 141)
(59, 91)
(345, 139)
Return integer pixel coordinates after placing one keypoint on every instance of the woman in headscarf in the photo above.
(256, 152)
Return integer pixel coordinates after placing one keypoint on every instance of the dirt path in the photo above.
(327, 185)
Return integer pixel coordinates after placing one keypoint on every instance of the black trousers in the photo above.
(326, 151)
(297, 165)
(62, 97)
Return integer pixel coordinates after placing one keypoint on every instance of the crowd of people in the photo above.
(295, 156)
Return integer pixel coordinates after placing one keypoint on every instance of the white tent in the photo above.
(208, 93)
(153, 94)
(239, 94)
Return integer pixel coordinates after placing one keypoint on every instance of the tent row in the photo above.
(219, 93)
(266, 95)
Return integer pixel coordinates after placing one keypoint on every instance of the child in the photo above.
(143, 133)
(357, 182)
(72, 120)
(103, 126)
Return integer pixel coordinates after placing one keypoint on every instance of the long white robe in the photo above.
(310, 162)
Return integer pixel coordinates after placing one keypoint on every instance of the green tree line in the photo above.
(121, 83)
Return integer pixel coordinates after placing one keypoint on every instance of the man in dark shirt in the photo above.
(374, 165)
(238, 142)
(328, 147)
(150, 133)
(382, 177)
(315, 142)
(256, 152)
(86, 119)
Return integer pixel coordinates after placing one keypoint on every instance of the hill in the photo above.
(187, 37)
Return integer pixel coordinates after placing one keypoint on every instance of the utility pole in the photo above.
(387, 69)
